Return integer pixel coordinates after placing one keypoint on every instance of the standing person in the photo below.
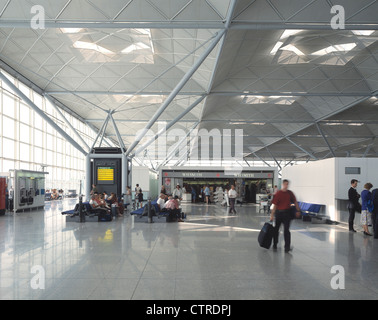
(232, 194)
(353, 204)
(374, 214)
(128, 198)
(281, 212)
(207, 194)
(366, 199)
(6, 197)
(194, 194)
(177, 192)
(139, 195)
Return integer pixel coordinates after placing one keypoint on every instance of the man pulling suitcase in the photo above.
(282, 212)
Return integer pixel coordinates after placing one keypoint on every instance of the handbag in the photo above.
(370, 206)
(293, 208)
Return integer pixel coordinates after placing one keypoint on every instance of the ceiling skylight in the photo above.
(71, 30)
(136, 46)
(336, 48)
(276, 47)
(289, 32)
(282, 100)
(288, 47)
(292, 48)
(91, 46)
(363, 32)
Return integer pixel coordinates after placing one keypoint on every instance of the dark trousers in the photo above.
(374, 217)
(352, 213)
(282, 216)
(232, 205)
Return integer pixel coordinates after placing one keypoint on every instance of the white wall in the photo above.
(147, 180)
(314, 182)
(369, 173)
(141, 176)
(325, 181)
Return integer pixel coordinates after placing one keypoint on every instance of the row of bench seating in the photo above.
(309, 211)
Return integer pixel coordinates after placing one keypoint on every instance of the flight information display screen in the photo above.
(105, 174)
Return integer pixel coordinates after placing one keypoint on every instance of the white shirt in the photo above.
(161, 203)
(177, 192)
(232, 193)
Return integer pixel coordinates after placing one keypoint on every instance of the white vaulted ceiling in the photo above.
(297, 88)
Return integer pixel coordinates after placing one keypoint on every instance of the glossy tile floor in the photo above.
(210, 256)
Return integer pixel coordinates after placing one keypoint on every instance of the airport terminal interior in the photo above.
(145, 147)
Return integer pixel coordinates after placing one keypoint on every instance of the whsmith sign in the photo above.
(217, 174)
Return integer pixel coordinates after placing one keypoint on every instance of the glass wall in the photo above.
(28, 142)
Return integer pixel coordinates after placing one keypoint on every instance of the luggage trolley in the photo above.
(265, 204)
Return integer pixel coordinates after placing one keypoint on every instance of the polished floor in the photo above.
(210, 256)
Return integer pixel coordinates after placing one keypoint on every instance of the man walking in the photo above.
(281, 211)
(232, 194)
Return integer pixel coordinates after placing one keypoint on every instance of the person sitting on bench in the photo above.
(96, 204)
(173, 205)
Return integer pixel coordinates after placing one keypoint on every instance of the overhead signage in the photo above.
(105, 174)
(217, 174)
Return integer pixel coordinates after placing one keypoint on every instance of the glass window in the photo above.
(38, 100)
(49, 157)
(59, 145)
(8, 165)
(8, 127)
(59, 161)
(38, 155)
(38, 121)
(24, 152)
(24, 133)
(24, 89)
(50, 142)
(8, 105)
(24, 113)
(38, 140)
(8, 148)
(27, 141)
(25, 166)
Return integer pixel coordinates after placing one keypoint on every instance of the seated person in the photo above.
(174, 206)
(113, 200)
(54, 195)
(161, 201)
(97, 205)
(102, 200)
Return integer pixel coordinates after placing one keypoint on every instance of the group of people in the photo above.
(368, 207)
(170, 204)
(285, 208)
(102, 203)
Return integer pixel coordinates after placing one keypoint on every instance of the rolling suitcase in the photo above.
(266, 235)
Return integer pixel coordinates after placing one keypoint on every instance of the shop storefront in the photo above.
(250, 184)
